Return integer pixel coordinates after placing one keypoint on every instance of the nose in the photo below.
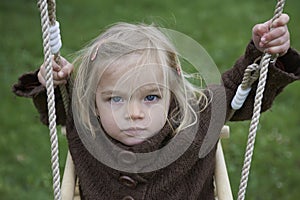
(135, 110)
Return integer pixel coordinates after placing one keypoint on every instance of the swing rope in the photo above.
(52, 44)
(261, 72)
(55, 42)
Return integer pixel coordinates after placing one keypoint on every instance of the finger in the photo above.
(42, 70)
(258, 32)
(280, 32)
(65, 68)
(41, 78)
(279, 25)
(260, 29)
(62, 61)
(56, 67)
(276, 37)
(281, 21)
(41, 75)
(277, 42)
(56, 80)
(281, 49)
(66, 71)
(57, 77)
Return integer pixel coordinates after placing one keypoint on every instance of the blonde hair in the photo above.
(150, 44)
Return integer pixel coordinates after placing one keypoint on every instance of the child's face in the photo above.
(132, 101)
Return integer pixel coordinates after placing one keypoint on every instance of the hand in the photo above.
(60, 72)
(274, 41)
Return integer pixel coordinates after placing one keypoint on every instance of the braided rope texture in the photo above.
(251, 74)
(50, 98)
(63, 88)
(256, 111)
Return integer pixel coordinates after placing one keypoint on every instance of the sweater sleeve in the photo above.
(285, 71)
(29, 86)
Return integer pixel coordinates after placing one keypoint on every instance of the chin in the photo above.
(133, 141)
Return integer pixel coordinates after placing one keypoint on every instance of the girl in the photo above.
(131, 99)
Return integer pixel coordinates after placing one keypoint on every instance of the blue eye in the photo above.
(116, 99)
(151, 97)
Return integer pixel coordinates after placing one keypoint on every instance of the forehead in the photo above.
(130, 72)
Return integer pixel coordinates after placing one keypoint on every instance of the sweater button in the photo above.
(128, 182)
(127, 157)
(128, 198)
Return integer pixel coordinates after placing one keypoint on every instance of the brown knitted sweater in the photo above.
(188, 177)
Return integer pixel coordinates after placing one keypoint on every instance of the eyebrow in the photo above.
(109, 91)
(143, 89)
(152, 90)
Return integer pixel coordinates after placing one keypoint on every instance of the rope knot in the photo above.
(55, 38)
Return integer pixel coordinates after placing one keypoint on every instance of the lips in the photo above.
(132, 132)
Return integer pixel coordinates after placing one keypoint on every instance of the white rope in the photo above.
(50, 98)
(256, 112)
(56, 44)
(240, 97)
(55, 38)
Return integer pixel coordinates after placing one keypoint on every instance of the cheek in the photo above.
(109, 125)
(107, 119)
(158, 116)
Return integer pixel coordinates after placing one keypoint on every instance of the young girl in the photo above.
(131, 101)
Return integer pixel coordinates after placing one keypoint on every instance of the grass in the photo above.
(222, 27)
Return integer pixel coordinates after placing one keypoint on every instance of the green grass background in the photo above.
(222, 27)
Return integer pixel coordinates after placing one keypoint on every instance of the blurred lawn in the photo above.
(222, 27)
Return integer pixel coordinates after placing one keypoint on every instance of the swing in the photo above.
(70, 189)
